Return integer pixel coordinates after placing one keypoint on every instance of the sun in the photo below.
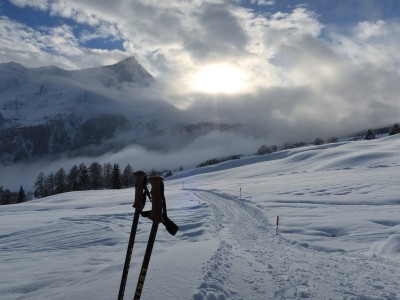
(219, 78)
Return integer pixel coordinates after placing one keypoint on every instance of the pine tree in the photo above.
(1, 190)
(6, 197)
(127, 177)
(95, 176)
(72, 179)
(262, 150)
(60, 181)
(116, 177)
(39, 186)
(370, 135)
(319, 141)
(21, 195)
(49, 185)
(332, 140)
(83, 177)
(394, 130)
(107, 172)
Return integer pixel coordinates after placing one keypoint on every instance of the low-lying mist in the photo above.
(212, 145)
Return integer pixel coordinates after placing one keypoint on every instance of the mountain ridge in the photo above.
(51, 111)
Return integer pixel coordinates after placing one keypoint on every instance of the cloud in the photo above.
(174, 40)
(307, 79)
(263, 2)
(38, 4)
(103, 31)
(371, 43)
(218, 34)
(57, 45)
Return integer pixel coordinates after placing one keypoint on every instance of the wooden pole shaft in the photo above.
(157, 190)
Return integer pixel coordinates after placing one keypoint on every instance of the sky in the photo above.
(326, 64)
(177, 35)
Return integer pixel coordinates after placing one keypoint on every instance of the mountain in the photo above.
(128, 70)
(49, 111)
(28, 95)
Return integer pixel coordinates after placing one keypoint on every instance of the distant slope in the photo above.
(353, 153)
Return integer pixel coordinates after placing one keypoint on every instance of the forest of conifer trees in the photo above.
(81, 178)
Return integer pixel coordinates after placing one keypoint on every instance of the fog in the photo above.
(213, 145)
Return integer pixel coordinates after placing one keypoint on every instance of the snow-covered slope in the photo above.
(28, 95)
(338, 236)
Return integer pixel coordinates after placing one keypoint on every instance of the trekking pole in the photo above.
(141, 192)
(157, 188)
(171, 227)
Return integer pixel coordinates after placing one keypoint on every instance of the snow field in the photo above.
(338, 238)
(323, 201)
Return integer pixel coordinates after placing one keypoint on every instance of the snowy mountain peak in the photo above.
(130, 61)
(11, 69)
(128, 70)
(31, 95)
(10, 65)
(131, 71)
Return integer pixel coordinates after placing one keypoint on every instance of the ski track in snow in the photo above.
(252, 262)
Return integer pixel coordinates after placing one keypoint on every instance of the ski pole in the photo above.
(141, 192)
(171, 227)
(157, 186)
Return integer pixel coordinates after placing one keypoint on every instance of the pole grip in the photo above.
(157, 198)
(139, 186)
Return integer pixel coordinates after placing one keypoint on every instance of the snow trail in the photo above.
(252, 262)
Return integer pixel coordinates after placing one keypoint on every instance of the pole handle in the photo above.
(157, 192)
(140, 184)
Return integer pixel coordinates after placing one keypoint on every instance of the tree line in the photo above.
(77, 178)
(110, 176)
(264, 149)
(371, 133)
(214, 161)
(81, 178)
(9, 197)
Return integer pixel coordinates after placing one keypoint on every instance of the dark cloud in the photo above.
(217, 34)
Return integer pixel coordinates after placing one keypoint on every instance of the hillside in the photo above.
(338, 238)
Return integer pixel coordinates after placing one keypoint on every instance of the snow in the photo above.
(338, 235)
(31, 95)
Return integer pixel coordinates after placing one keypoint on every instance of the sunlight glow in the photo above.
(219, 78)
